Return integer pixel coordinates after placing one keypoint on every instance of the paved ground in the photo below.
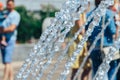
(21, 52)
(17, 65)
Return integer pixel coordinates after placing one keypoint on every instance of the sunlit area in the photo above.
(60, 39)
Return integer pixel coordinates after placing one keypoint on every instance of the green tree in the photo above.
(31, 27)
(46, 11)
(27, 26)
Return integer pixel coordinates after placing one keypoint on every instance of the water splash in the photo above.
(104, 67)
(116, 70)
(50, 41)
(48, 37)
(101, 9)
(90, 50)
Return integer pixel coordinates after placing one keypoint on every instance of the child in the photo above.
(82, 53)
(2, 18)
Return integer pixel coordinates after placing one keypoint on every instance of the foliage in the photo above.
(30, 26)
(27, 26)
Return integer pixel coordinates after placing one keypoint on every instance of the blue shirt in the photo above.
(2, 16)
(108, 32)
(12, 18)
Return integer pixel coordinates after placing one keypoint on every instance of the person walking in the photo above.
(10, 32)
(97, 54)
(82, 53)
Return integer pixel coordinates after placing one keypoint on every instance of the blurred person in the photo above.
(3, 15)
(115, 9)
(118, 23)
(83, 53)
(10, 25)
(98, 53)
(88, 7)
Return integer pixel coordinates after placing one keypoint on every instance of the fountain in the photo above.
(50, 43)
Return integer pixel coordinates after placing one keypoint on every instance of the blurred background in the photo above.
(35, 14)
(35, 17)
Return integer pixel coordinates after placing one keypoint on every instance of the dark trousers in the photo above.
(97, 57)
(74, 71)
(118, 74)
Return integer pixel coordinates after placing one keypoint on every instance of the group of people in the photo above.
(102, 47)
(9, 20)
